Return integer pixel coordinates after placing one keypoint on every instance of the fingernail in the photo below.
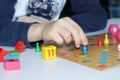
(78, 45)
(85, 42)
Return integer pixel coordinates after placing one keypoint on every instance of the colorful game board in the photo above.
(97, 58)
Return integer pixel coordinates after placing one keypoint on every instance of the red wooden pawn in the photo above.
(100, 42)
(20, 46)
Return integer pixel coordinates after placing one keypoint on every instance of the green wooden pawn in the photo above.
(37, 49)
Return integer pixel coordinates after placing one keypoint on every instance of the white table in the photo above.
(35, 68)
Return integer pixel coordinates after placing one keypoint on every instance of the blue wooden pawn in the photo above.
(84, 49)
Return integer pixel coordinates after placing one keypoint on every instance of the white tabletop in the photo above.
(33, 67)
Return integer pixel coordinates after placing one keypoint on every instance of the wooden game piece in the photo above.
(37, 49)
(12, 56)
(49, 52)
(100, 43)
(2, 54)
(11, 65)
(84, 49)
(14, 52)
(106, 40)
(20, 46)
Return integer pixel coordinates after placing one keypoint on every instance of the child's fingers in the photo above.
(75, 34)
(83, 36)
(66, 35)
(58, 39)
(84, 39)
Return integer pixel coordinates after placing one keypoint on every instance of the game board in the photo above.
(97, 58)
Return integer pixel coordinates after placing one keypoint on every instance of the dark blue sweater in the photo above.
(88, 14)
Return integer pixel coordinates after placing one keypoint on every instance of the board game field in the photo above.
(99, 58)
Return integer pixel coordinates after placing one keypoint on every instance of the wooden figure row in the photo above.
(11, 59)
(100, 41)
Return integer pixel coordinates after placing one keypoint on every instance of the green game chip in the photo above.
(92, 44)
(118, 59)
(86, 61)
(71, 50)
(90, 39)
(14, 52)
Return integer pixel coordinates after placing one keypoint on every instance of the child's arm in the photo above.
(11, 31)
(61, 31)
(89, 15)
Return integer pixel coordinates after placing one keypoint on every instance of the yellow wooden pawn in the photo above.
(106, 40)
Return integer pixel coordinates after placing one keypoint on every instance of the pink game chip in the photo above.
(12, 65)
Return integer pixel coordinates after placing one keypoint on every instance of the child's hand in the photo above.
(64, 30)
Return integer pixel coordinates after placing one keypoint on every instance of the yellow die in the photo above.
(49, 52)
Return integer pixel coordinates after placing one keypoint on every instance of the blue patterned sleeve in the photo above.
(11, 31)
